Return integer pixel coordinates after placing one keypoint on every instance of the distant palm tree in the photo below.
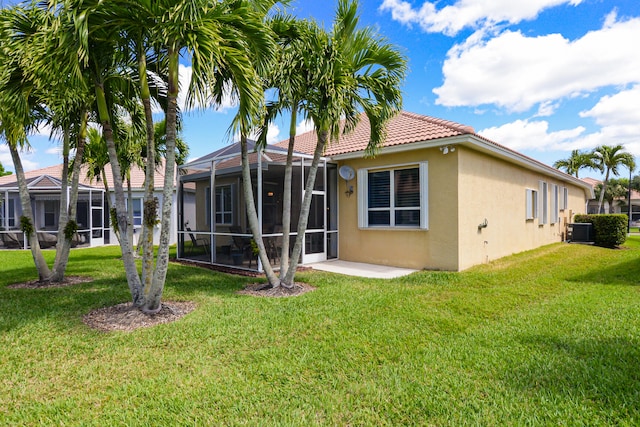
(578, 160)
(607, 160)
(616, 189)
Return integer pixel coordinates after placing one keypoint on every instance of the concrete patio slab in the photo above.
(361, 269)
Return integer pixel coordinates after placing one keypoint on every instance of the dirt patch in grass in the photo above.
(126, 317)
(263, 290)
(37, 284)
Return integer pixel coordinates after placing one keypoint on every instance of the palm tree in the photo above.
(20, 110)
(292, 84)
(616, 189)
(578, 160)
(348, 71)
(219, 37)
(607, 160)
(33, 94)
(359, 71)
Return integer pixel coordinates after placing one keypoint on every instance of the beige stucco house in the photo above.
(436, 196)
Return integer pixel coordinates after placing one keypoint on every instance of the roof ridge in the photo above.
(458, 127)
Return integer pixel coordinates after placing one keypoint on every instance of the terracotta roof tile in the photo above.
(404, 128)
(137, 176)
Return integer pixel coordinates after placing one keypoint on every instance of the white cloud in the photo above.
(517, 72)
(617, 115)
(619, 118)
(25, 157)
(468, 13)
(621, 108)
(273, 134)
(547, 109)
(185, 75)
(533, 135)
(304, 126)
(55, 150)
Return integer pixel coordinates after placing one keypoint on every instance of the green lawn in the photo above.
(551, 336)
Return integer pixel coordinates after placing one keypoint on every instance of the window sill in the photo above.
(389, 228)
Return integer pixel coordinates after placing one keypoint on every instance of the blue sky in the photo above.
(542, 77)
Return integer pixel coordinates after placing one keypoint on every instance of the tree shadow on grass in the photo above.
(623, 273)
(600, 372)
(66, 305)
(58, 305)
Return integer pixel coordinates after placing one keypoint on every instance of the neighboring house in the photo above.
(593, 203)
(92, 208)
(436, 196)
(619, 205)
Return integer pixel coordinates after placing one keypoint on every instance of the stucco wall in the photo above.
(435, 248)
(495, 190)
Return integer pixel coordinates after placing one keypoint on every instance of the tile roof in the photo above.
(137, 176)
(593, 182)
(404, 128)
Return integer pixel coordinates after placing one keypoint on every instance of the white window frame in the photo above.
(11, 219)
(543, 203)
(531, 204)
(222, 210)
(363, 196)
(50, 208)
(139, 217)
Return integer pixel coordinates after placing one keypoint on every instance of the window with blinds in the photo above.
(393, 197)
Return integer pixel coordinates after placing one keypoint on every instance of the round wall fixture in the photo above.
(347, 173)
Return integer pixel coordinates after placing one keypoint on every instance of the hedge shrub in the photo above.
(610, 230)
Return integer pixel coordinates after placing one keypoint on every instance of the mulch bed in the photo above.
(126, 317)
(259, 290)
(36, 284)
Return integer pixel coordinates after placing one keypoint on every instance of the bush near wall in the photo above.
(610, 229)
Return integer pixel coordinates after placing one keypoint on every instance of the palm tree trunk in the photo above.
(25, 201)
(149, 201)
(286, 197)
(252, 215)
(131, 227)
(604, 189)
(153, 297)
(63, 249)
(63, 215)
(133, 280)
(304, 209)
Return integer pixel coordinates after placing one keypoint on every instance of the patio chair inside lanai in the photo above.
(212, 208)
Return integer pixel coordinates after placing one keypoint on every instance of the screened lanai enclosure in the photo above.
(44, 192)
(212, 221)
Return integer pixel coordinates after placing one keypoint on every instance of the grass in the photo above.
(550, 336)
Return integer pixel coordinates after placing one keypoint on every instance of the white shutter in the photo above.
(424, 195)
(363, 203)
